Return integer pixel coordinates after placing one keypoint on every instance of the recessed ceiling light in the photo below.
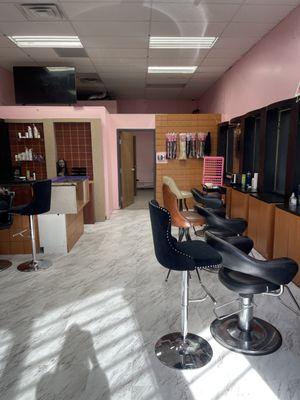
(185, 42)
(172, 70)
(46, 41)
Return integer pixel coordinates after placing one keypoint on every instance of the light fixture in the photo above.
(172, 70)
(47, 41)
(182, 42)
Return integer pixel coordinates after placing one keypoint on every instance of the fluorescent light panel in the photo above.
(172, 70)
(179, 42)
(47, 41)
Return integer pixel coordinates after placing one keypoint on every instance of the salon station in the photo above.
(150, 200)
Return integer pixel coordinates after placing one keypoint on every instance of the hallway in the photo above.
(85, 329)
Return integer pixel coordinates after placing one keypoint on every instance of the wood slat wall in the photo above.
(187, 173)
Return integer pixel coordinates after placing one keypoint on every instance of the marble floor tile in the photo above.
(86, 328)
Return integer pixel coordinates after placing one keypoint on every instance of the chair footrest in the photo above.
(217, 308)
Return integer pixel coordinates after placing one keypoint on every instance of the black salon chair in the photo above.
(6, 220)
(219, 226)
(241, 331)
(40, 204)
(181, 350)
(214, 204)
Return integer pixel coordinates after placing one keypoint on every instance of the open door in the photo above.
(127, 168)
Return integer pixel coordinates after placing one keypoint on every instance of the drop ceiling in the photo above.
(115, 35)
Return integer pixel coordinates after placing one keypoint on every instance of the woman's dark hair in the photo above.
(61, 170)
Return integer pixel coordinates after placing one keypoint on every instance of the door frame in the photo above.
(119, 132)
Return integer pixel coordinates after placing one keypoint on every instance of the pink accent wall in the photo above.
(269, 72)
(143, 106)
(145, 159)
(7, 95)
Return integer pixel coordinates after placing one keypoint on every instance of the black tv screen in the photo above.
(45, 85)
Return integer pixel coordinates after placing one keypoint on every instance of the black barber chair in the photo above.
(181, 350)
(40, 204)
(222, 227)
(241, 331)
(213, 203)
(6, 220)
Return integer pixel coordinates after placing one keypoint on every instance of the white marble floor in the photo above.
(86, 328)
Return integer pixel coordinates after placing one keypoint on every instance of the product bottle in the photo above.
(243, 181)
(35, 132)
(30, 135)
(248, 179)
(293, 200)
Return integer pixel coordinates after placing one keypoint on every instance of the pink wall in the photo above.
(7, 95)
(143, 106)
(269, 72)
(123, 121)
(145, 159)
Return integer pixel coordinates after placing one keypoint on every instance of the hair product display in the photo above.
(189, 145)
(171, 145)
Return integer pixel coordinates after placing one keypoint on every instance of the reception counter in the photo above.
(62, 226)
(56, 231)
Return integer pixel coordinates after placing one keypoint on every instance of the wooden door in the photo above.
(127, 168)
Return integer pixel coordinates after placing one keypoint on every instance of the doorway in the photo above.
(136, 167)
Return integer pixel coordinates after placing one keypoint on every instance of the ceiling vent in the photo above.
(62, 52)
(41, 12)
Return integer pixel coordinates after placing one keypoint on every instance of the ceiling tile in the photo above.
(95, 11)
(262, 13)
(112, 28)
(240, 43)
(152, 78)
(246, 29)
(9, 12)
(116, 53)
(172, 61)
(36, 28)
(121, 61)
(115, 42)
(121, 70)
(198, 1)
(218, 62)
(153, 93)
(274, 2)
(4, 42)
(158, 28)
(202, 12)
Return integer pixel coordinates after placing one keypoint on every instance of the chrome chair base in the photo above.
(173, 352)
(30, 266)
(263, 338)
(4, 264)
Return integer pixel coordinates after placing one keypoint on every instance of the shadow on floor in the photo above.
(77, 374)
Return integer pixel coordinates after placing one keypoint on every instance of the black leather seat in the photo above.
(213, 203)
(220, 226)
(6, 221)
(181, 350)
(247, 276)
(40, 204)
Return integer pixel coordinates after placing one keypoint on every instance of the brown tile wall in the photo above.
(74, 144)
(186, 173)
(37, 145)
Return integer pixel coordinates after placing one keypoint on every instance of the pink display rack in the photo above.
(213, 171)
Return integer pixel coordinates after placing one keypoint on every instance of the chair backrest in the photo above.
(41, 201)
(171, 204)
(279, 272)
(6, 219)
(167, 180)
(207, 201)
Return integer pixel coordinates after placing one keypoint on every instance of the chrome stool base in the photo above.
(262, 338)
(30, 266)
(4, 264)
(173, 352)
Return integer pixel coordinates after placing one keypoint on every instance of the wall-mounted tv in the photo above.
(45, 85)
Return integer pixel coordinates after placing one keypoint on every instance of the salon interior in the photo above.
(150, 200)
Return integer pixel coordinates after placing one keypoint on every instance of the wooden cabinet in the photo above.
(239, 204)
(286, 237)
(261, 218)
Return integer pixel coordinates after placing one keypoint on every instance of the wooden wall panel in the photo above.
(186, 173)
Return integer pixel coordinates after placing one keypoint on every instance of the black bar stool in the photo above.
(6, 220)
(40, 204)
(240, 331)
(181, 350)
